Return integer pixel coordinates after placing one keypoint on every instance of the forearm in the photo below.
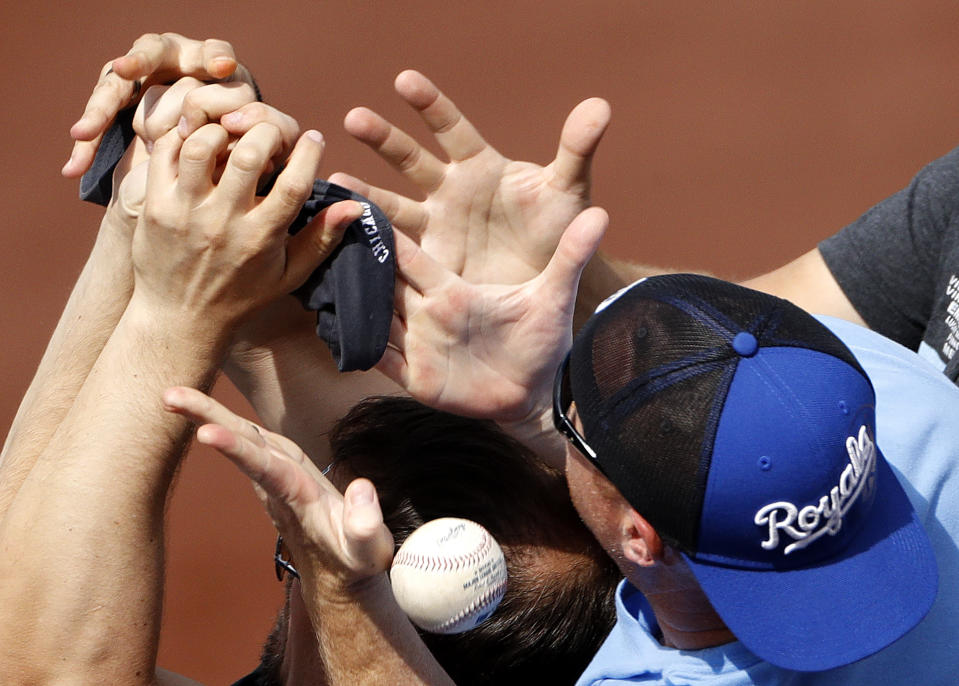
(602, 277)
(364, 637)
(808, 283)
(92, 311)
(82, 565)
(295, 388)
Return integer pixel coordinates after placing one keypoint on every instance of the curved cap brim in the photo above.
(831, 614)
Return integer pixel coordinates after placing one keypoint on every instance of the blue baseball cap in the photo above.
(744, 431)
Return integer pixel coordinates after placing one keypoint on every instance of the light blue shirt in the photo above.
(917, 427)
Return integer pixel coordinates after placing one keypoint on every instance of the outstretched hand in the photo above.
(486, 351)
(153, 59)
(328, 533)
(487, 218)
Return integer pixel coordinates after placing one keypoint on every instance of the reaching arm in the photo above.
(104, 286)
(340, 544)
(290, 378)
(81, 591)
(93, 310)
(808, 283)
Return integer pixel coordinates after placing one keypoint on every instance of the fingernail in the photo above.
(221, 63)
(362, 495)
(315, 136)
(149, 146)
(182, 127)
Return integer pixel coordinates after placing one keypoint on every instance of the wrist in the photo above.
(116, 229)
(179, 329)
(332, 591)
(536, 432)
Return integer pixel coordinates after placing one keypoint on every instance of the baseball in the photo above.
(449, 575)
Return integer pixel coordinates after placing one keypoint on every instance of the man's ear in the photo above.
(641, 544)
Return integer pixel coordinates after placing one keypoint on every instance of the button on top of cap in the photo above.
(745, 344)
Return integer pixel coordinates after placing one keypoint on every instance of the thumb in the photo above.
(367, 541)
(576, 246)
(129, 187)
(315, 242)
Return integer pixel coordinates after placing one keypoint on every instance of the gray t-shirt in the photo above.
(899, 264)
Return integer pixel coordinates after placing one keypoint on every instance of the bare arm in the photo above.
(106, 282)
(93, 310)
(290, 378)
(87, 521)
(81, 591)
(340, 544)
(808, 283)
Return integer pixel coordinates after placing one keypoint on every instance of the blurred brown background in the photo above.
(742, 133)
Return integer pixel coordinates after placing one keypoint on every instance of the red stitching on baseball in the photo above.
(431, 562)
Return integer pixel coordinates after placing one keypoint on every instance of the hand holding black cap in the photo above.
(351, 292)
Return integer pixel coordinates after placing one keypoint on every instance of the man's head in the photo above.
(425, 464)
(742, 431)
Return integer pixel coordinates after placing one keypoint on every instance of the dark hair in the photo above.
(427, 464)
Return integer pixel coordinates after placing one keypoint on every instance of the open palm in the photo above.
(487, 218)
(486, 350)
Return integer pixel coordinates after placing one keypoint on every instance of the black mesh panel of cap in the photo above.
(774, 321)
(650, 373)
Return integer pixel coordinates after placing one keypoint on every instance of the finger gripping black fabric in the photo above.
(97, 184)
(351, 291)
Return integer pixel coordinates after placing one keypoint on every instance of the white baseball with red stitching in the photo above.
(449, 575)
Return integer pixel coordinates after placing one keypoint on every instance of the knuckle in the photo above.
(197, 149)
(190, 83)
(246, 91)
(410, 159)
(154, 213)
(165, 142)
(256, 111)
(216, 43)
(214, 239)
(247, 159)
(449, 122)
(191, 102)
(291, 194)
(152, 129)
(147, 38)
(95, 109)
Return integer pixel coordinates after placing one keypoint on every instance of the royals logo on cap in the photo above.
(805, 526)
